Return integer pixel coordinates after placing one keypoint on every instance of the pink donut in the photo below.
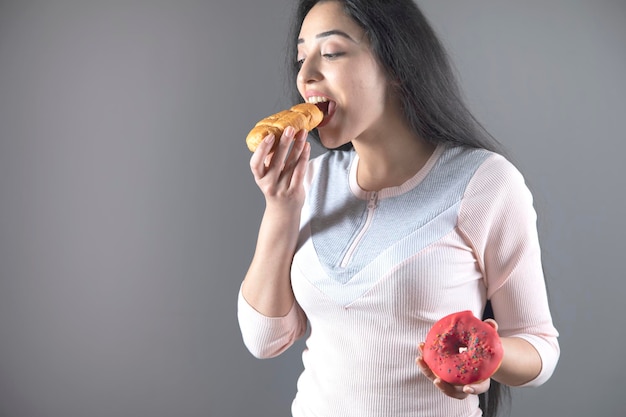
(462, 349)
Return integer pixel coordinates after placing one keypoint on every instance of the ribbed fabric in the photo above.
(463, 229)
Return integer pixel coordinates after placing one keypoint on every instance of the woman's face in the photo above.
(339, 69)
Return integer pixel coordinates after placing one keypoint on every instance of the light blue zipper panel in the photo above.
(349, 233)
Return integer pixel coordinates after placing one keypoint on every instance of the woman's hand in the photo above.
(279, 173)
(455, 391)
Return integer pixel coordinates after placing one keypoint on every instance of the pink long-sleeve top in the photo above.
(374, 270)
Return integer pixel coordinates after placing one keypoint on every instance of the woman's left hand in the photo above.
(455, 391)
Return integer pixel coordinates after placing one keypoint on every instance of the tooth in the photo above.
(317, 99)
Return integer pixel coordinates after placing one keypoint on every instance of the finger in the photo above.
(293, 165)
(469, 390)
(421, 363)
(428, 373)
(478, 387)
(300, 168)
(454, 391)
(301, 135)
(492, 323)
(295, 152)
(283, 148)
(260, 155)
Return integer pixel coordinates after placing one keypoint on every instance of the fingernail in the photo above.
(270, 139)
(469, 390)
(289, 131)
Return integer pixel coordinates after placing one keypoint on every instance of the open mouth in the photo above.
(326, 106)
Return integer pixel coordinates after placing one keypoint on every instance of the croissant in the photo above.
(301, 116)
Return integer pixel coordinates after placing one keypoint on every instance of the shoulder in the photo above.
(496, 176)
(496, 193)
(478, 164)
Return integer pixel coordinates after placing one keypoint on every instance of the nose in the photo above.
(309, 71)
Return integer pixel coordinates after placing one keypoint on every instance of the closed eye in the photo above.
(330, 56)
(334, 55)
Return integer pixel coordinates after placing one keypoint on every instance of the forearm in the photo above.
(267, 285)
(521, 362)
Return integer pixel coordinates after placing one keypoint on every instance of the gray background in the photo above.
(128, 214)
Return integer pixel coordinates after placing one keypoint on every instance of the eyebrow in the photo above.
(330, 33)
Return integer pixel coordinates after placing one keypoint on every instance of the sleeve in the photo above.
(498, 219)
(268, 337)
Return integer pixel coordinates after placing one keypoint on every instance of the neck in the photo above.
(392, 160)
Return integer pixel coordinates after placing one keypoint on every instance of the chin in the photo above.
(330, 141)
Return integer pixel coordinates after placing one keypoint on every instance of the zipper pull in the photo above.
(373, 201)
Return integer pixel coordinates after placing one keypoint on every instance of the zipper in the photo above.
(372, 203)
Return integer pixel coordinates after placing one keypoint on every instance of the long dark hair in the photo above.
(417, 66)
(419, 69)
(491, 401)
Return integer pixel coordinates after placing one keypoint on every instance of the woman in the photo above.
(409, 216)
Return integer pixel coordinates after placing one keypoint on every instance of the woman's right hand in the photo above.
(280, 173)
